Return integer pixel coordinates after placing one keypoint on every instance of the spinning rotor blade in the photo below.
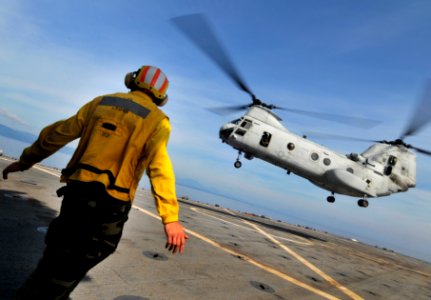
(423, 151)
(197, 28)
(347, 120)
(422, 114)
(227, 110)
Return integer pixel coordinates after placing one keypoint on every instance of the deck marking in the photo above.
(36, 167)
(46, 171)
(245, 257)
(329, 279)
(248, 259)
(306, 243)
(309, 265)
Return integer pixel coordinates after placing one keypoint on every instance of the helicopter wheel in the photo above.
(363, 203)
(237, 164)
(330, 199)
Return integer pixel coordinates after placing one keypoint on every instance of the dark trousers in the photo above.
(87, 231)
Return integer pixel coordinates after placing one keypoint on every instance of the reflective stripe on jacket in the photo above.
(121, 136)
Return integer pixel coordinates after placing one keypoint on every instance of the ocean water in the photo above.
(14, 148)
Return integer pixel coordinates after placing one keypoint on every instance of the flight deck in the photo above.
(229, 255)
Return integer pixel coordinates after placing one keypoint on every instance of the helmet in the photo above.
(151, 79)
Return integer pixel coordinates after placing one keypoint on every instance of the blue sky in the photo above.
(361, 58)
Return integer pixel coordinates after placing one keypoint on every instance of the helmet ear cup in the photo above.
(160, 102)
(129, 80)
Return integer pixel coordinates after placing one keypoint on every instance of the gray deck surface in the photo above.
(229, 255)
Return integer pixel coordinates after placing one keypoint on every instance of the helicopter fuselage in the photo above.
(384, 168)
(379, 171)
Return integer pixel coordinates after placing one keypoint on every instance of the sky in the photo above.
(360, 58)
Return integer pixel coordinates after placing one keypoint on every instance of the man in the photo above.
(121, 136)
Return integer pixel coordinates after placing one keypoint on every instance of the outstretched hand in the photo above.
(13, 167)
(175, 237)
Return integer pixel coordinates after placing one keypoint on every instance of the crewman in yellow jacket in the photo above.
(121, 136)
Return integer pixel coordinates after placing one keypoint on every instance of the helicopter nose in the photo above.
(225, 131)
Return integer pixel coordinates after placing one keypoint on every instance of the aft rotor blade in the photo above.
(197, 28)
(347, 120)
(423, 151)
(422, 115)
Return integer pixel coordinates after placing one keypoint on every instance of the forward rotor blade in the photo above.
(347, 120)
(227, 110)
(422, 115)
(198, 30)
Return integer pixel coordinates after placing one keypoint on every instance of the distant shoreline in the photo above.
(26, 137)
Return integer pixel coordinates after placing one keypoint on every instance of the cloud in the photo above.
(16, 25)
(382, 27)
(13, 117)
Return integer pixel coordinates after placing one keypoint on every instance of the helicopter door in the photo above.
(266, 138)
(392, 161)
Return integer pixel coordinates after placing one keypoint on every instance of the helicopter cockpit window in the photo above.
(236, 122)
(246, 124)
(266, 138)
(242, 129)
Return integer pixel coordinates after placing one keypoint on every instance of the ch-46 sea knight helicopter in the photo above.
(384, 168)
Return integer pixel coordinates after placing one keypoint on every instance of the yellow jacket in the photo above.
(121, 135)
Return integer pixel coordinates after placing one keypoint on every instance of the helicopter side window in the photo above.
(326, 161)
(314, 156)
(266, 138)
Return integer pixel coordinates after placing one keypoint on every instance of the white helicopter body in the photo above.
(380, 170)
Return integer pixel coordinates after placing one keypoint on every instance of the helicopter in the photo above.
(386, 167)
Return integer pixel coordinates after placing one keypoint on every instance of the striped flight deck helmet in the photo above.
(151, 79)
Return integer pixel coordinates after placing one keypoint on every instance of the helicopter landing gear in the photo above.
(238, 163)
(363, 202)
(248, 156)
(331, 199)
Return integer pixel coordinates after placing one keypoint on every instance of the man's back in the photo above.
(115, 131)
